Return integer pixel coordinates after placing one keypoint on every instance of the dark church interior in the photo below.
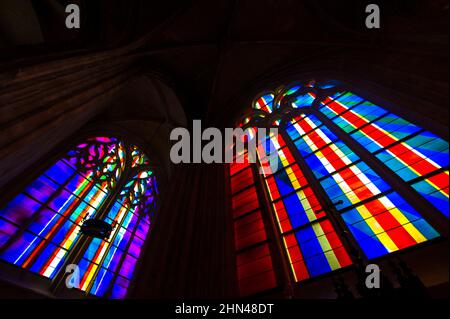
(93, 206)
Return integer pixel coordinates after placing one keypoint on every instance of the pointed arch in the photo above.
(92, 208)
(355, 182)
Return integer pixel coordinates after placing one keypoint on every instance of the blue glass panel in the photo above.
(21, 249)
(102, 282)
(60, 172)
(41, 189)
(20, 209)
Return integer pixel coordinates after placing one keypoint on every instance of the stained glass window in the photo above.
(102, 179)
(255, 268)
(414, 154)
(326, 197)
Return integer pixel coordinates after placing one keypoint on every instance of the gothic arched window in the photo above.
(354, 182)
(93, 209)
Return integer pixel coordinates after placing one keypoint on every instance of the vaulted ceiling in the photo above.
(217, 53)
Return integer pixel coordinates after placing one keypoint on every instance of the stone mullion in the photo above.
(102, 214)
(122, 258)
(76, 252)
(279, 255)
